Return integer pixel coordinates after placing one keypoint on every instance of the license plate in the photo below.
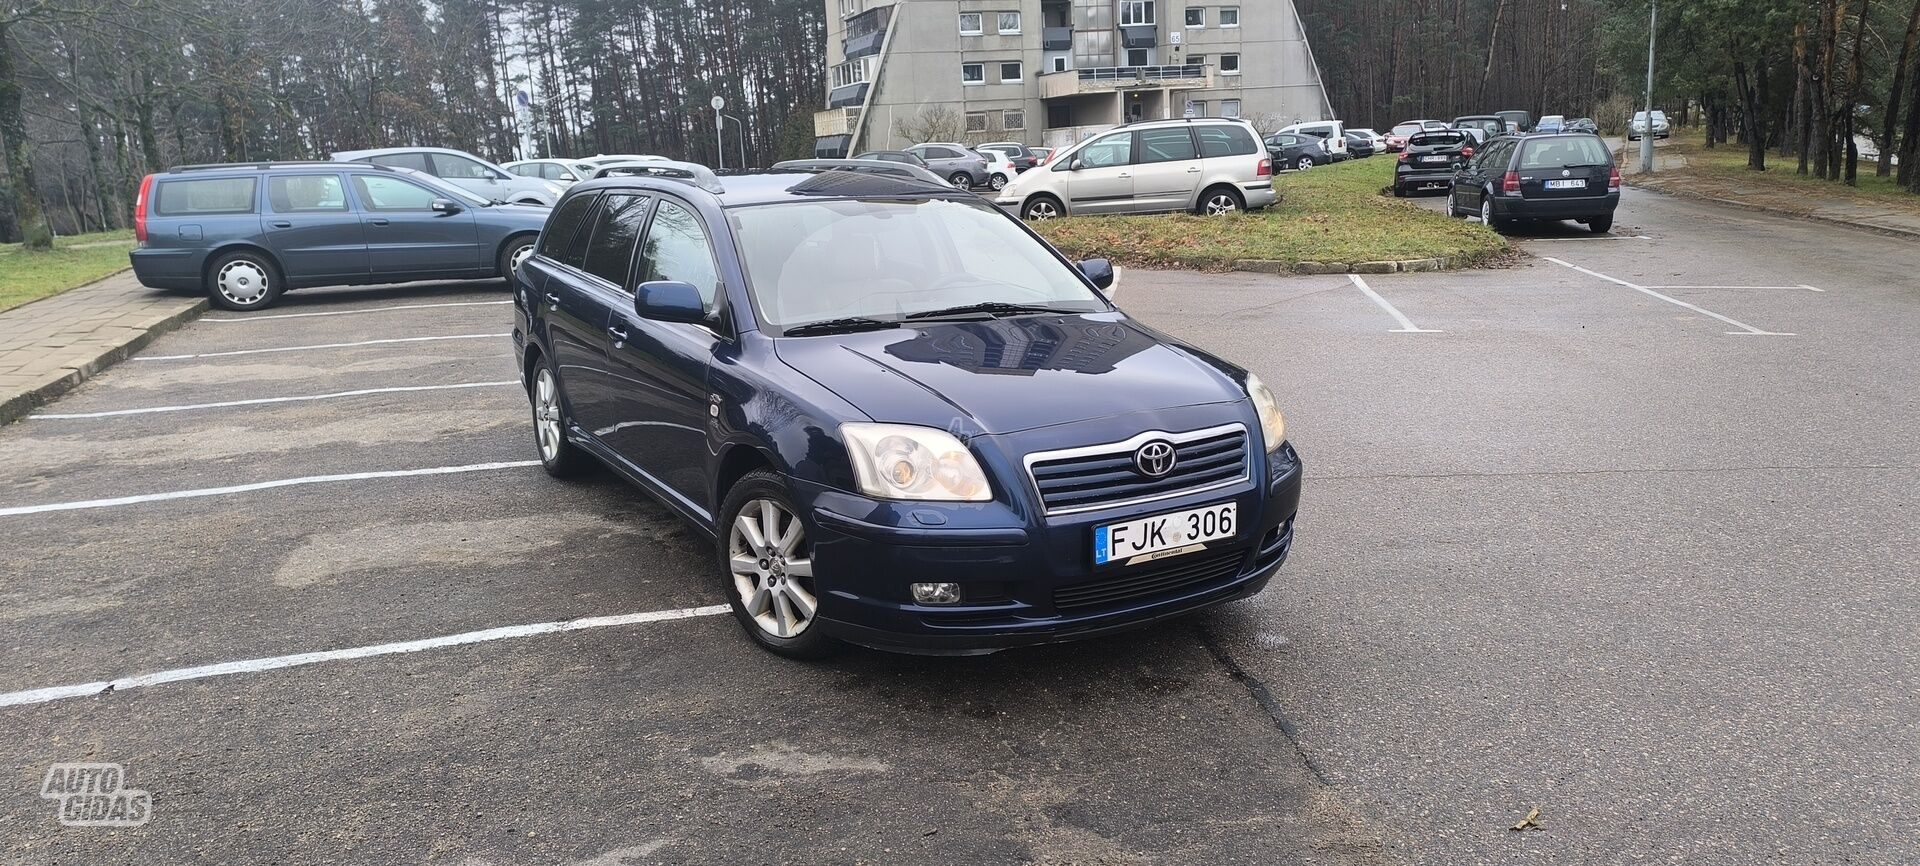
(1576, 183)
(1435, 159)
(1163, 535)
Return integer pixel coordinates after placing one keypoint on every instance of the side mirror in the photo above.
(1099, 272)
(670, 301)
(446, 206)
(1076, 164)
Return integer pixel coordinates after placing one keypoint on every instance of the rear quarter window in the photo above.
(222, 195)
(1222, 140)
(557, 238)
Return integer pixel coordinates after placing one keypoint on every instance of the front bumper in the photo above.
(1585, 207)
(1011, 566)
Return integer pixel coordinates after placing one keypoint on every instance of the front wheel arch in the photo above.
(500, 252)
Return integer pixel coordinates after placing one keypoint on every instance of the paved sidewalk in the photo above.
(1838, 205)
(49, 346)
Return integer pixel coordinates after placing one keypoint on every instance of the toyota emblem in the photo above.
(1154, 459)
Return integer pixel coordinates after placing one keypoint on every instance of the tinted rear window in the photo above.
(616, 229)
(562, 225)
(1222, 140)
(1561, 152)
(223, 195)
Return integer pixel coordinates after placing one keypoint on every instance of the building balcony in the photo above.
(847, 97)
(1107, 79)
(1056, 39)
(835, 121)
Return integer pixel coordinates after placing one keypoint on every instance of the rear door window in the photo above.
(415, 161)
(306, 193)
(208, 196)
(459, 168)
(1165, 145)
(1563, 152)
(1222, 140)
(616, 228)
(562, 226)
(383, 193)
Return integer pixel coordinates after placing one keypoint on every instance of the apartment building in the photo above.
(1052, 72)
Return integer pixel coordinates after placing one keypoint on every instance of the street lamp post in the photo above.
(742, 125)
(1646, 134)
(719, 130)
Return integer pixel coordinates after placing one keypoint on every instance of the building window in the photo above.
(976, 121)
(1229, 108)
(1196, 16)
(1013, 120)
(849, 8)
(1010, 73)
(1136, 13)
(1196, 60)
(1196, 108)
(970, 24)
(1059, 64)
(973, 73)
(1229, 64)
(1139, 57)
(1009, 24)
(1229, 16)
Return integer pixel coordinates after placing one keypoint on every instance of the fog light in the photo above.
(936, 593)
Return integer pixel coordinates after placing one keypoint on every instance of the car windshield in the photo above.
(1406, 129)
(885, 260)
(1566, 152)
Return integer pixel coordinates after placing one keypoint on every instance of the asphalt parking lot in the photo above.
(1626, 532)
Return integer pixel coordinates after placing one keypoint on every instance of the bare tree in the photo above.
(933, 123)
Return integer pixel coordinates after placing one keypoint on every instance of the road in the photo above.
(1640, 557)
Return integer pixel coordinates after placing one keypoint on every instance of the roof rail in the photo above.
(298, 163)
(700, 176)
(864, 166)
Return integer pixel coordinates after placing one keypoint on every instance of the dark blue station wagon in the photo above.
(904, 419)
(246, 233)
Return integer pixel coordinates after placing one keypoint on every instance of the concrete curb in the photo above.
(1400, 266)
(55, 383)
(1889, 231)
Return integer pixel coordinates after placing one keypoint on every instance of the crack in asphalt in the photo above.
(1264, 697)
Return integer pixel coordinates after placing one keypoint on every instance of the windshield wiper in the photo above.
(995, 308)
(835, 326)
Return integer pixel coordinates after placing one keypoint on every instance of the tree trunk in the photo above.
(1894, 93)
(1752, 102)
(29, 211)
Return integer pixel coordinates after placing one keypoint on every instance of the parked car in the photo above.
(1551, 123)
(1429, 160)
(1583, 124)
(1022, 156)
(1000, 168)
(608, 158)
(900, 156)
(1378, 141)
(1398, 135)
(1203, 165)
(246, 233)
(1332, 131)
(561, 171)
(1359, 146)
(463, 170)
(1486, 125)
(1637, 127)
(1297, 152)
(905, 421)
(1545, 176)
(1516, 120)
(957, 163)
(868, 166)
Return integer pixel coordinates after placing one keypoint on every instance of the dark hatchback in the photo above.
(246, 233)
(1563, 176)
(904, 419)
(1428, 162)
(1292, 150)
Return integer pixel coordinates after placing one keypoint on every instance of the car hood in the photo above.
(1013, 374)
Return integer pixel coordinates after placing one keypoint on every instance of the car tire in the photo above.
(1221, 201)
(1305, 163)
(766, 568)
(1041, 208)
(1601, 225)
(997, 182)
(558, 455)
(1398, 192)
(244, 281)
(1486, 213)
(960, 180)
(513, 254)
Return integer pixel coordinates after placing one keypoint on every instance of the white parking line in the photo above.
(1795, 288)
(252, 666)
(318, 346)
(261, 401)
(353, 312)
(1406, 325)
(261, 485)
(1744, 327)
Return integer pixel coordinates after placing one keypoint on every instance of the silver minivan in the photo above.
(463, 170)
(1203, 165)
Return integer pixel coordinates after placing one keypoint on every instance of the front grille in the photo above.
(1129, 585)
(1085, 478)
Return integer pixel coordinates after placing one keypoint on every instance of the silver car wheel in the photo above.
(1486, 212)
(519, 257)
(1221, 204)
(546, 415)
(960, 180)
(772, 568)
(242, 282)
(998, 181)
(1306, 163)
(1042, 210)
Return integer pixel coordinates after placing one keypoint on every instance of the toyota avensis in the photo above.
(905, 420)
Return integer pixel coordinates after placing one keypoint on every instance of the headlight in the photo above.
(897, 461)
(1273, 425)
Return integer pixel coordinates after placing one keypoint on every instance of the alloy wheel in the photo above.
(243, 282)
(772, 568)
(998, 181)
(546, 415)
(519, 256)
(1486, 212)
(1221, 204)
(1042, 210)
(960, 180)
(1306, 163)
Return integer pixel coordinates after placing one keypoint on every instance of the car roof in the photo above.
(769, 187)
(288, 165)
(344, 155)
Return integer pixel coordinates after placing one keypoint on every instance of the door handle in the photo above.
(1124, 176)
(553, 299)
(376, 222)
(281, 224)
(1193, 170)
(617, 334)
